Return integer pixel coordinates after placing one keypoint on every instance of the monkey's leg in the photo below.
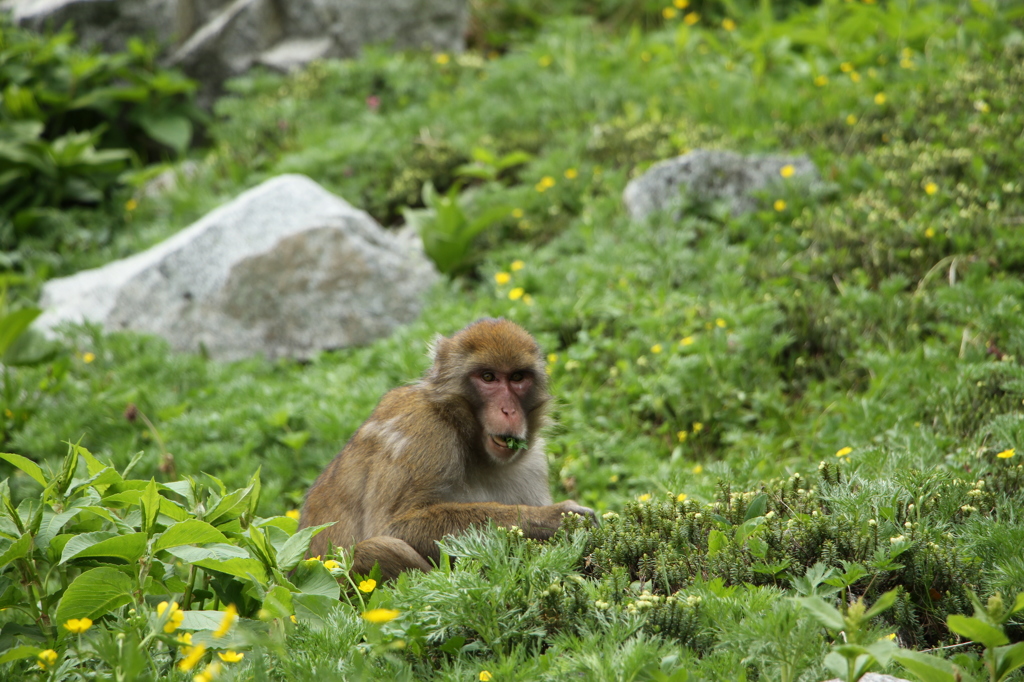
(394, 556)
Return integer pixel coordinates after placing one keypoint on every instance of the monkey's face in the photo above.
(505, 398)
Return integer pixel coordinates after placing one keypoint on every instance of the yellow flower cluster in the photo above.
(174, 616)
(544, 184)
(46, 659)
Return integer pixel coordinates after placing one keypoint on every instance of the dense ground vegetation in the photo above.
(821, 400)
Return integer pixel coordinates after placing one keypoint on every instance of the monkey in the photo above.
(458, 448)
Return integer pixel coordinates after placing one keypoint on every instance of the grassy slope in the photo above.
(884, 318)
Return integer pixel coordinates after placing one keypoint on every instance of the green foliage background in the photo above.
(708, 369)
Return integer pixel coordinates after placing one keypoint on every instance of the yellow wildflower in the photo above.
(614, 478)
(779, 205)
(78, 625)
(686, 341)
(891, 636)
(230, 656)
(88, 357)
(720, 323)
(931, 188)
(545, 61)
(669, 12)
(929, 232)
(293, 618)
(486, 676)
(380, 616)
(846, 67)
(517, 265)
(552, 357)
(843, 452)
(46, 659)
(728, 24)
(855, 77)
(681, 4)
(174, 615)
(880, 98)
(698, 427)
(502, 277)
(131, 205)
(442, 59)
(851, 120)
(821, 81)
(230, 616)
(517, 213)
(210, 673)
(656, 348)
(368, 585)
(644, 498)
(698, 469)
(681, 436)
(691, 18)
(681, 497)
(787, 171)
(332, 565)
(185, 643)
(516, 293)
(527, 299)
(571, 173)
(292, 514)
(1007, 454)
(193, 657)
(545, 183)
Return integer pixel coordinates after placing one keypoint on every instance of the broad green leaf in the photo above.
(150, 502)
(297, 545)
(219, 552)
(19, 653)
(189, 532)
(240, 568)
(312, 577)
(717, 541)
(93, 594)
(826, 614)
(173, 131)
(126, 498)
(757, 507)
(26, 465)
(13, 325)
(1008, 659)
(977, 630)
(172, 510)
(927, 668)
(882, 603)
(315, 610)
(1018, 603)
(19, 549)
(202, 620)
(278, 602)
(128, 548)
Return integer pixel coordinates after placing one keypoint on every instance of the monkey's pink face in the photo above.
(502, 415)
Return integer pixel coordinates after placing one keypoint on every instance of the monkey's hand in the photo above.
(571, 507)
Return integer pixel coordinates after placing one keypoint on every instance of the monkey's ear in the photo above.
(434, 347)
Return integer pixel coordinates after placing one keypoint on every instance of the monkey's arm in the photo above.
(423, 527)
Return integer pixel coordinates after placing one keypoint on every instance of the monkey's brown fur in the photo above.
(430, 460)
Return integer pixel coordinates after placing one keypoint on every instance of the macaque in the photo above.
(458, 448)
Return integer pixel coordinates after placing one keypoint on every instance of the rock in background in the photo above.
(710, 176)
(213, 40)
(286, 269)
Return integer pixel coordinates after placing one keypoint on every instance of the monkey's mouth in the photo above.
(507, 442)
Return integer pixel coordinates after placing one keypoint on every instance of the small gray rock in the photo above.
(286, 269)
(710, 176)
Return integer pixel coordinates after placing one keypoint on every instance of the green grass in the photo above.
(710, 356)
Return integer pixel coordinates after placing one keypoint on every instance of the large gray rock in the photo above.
(710, 176)
(286, 269)
(213, 40)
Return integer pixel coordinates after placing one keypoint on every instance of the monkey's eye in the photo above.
(488, 377)
(517, 376)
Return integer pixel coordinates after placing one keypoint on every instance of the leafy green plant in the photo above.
(986, 628)
(447, 228)
(862, 650)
